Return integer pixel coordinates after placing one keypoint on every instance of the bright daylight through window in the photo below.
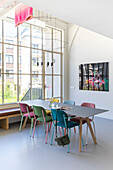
(30, 62)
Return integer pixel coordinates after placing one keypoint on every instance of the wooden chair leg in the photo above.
(25, 121)
(74, 129)
(50, 126)
(65, 131)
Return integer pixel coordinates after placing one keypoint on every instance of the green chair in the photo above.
(40, 115)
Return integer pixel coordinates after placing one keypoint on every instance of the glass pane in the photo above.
(10, 88)
(0, 88)
(24, 87)
(57, 86)
(24, 35)
(36, 37)
(48, 60)
(10, 32)
(36, 87)
(56, 41)
(24, 61)
(57, 64)
(48, 87)
(10, 59)
(47, 37)
(36, 61)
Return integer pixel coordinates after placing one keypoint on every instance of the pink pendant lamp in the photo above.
(23, 13)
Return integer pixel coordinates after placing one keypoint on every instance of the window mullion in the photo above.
(31, 61)
(61, 67)
(17, 63)
(52, 67)
(3, 61)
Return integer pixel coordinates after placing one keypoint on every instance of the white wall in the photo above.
(89, 47)
(95, 15)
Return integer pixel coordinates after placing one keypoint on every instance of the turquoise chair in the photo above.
(69, 102)
(62, 121)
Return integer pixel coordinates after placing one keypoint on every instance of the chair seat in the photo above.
(30, 113)
(47, 119)
(70, 124)
(48, 112)
(77, 119)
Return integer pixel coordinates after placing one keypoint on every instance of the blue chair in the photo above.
(69, 102)
(62, 121)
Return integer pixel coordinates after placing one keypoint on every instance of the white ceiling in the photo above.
(95, 15)
(6, 6)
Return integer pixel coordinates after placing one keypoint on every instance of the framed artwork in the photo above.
(94, 76)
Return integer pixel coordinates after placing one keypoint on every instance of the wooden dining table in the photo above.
(78, 111)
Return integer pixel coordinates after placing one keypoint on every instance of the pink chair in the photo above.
(84, 120)
(28, 113)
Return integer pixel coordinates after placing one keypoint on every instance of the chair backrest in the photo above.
(38, 111)
(55, 100)
(69, 102)
(23, 107)
(92, 105)
(58, 115)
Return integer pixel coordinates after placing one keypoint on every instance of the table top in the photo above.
(76, 110)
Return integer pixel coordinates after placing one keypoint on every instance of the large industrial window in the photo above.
(30, 62)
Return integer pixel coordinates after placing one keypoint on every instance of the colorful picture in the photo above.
(94, 76)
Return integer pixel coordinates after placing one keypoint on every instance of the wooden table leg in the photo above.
(80, 135)
(91, 130)
(25, 121)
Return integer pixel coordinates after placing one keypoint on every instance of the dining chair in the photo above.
(40, 115)
(84, 120)
(62, 121)
(26, 112)
(69, 102)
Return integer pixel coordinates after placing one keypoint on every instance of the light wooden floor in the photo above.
(20, 152)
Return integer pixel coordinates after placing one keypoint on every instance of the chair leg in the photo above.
(50, 126)
(31, 126)
(59, 131)
(69, 138)
(21, 124)
(47, 133)
(63, 131)
(74, 129)
(87, 135)
(82, 142)
(52, 136)
(34, 128)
